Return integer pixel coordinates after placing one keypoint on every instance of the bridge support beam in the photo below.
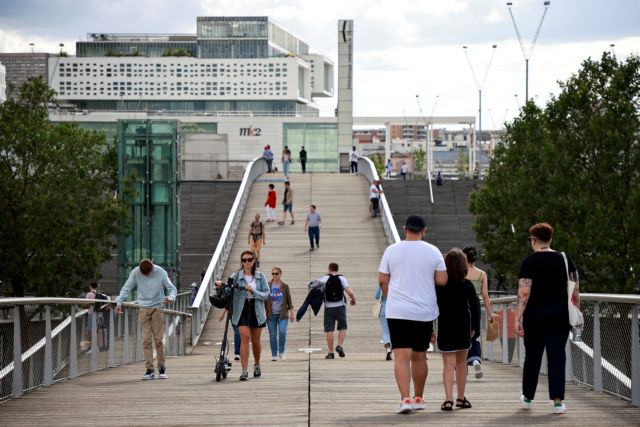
(48, 350)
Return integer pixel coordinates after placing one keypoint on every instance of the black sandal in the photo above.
(447, 406)
(463, 403)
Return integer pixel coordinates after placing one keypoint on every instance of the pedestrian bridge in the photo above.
(49, 376)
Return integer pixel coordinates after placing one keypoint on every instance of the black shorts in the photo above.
(411, 334)
(248, 316)
(333, 315)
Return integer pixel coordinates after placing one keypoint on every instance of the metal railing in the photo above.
(43, 340)
(607, 358)
(200, 306)
(368, 170)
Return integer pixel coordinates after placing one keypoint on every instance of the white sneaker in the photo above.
(406, 406)
(478, 368)
(525, 403)
(282, 356)
(274, 358)
(418, 404)
(559, 408)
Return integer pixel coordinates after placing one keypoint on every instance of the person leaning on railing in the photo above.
(154, 290)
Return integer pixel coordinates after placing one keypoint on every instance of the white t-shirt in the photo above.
(354, 156)
(403, 168)
(411, 294)
(250, 281)
(345, 285)
(374, 193)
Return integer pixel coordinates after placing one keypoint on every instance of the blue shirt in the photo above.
(152, 288)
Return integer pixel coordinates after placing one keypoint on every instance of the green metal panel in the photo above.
(147, 153)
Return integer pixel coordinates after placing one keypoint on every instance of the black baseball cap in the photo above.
(415, 223)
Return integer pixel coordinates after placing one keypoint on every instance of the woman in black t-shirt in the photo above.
(542, 317)
(458, 320)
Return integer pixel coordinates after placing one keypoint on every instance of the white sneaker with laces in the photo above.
(282, 356)
(406, 406)
(559, 408)
(525, 403)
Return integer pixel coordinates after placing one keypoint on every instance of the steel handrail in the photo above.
(11, 302)
(620, 298)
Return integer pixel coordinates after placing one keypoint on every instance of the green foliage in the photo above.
(378, 162)
(113, 52)
(575, 165)
(462, 163)
(176, 52)
(418, 160)
(58, 214)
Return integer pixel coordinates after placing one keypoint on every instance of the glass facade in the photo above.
(109, 129)
(320, 140)
(290, 108)
(147, 154)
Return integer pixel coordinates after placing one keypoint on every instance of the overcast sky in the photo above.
(403, 48)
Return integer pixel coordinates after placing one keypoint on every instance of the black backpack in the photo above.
(333, 291)
(101, 296)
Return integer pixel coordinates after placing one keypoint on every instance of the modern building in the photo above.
(20, 66)
(246, 65)
(3, 85)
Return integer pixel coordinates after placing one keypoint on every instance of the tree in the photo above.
(418, 160)
(575, 165)
(58, 213)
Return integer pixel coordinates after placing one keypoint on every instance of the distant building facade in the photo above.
(3, 85)
(20, 66)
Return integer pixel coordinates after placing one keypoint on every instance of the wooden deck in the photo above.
(305, 389)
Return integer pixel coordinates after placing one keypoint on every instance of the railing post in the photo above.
(17, 353)
(73, 345)
(635, 357)
(94, 342)
(597, 348)
(138, 338)
(48, 351)
(125, 350)
(111, 356)
(505, 340)
(181, 336)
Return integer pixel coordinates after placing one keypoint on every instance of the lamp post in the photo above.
(527, 55)
(428, 136)
(479, 86)
(31, 45)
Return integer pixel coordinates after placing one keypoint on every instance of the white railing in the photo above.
(200, 306)
(57, 338)
(607, 358)
(367, 169)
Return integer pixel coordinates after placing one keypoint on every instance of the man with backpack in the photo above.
(102, 315)
(257, 237)
(335, 309)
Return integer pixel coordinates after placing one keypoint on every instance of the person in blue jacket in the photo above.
(249, 314)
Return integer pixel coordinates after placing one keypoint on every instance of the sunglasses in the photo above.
(275, 274)
(247, 259)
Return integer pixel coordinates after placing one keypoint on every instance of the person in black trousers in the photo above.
(542, 316)
(303, 159)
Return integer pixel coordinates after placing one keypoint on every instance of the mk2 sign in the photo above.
(250, 131)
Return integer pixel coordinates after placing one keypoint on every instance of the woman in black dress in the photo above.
(459, 319)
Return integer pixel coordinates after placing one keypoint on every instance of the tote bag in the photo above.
(575, 316)
(377, 306)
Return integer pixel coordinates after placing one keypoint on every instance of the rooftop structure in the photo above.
(3, 85)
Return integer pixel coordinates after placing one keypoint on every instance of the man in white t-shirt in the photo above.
(335, 310)
(408, 274)
(353, 157)
(374, 197)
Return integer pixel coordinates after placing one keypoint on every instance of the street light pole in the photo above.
(479, 86)
(527, 55)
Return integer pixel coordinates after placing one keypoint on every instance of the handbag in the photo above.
(492, 331)
(575, 316)
(377, 307)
